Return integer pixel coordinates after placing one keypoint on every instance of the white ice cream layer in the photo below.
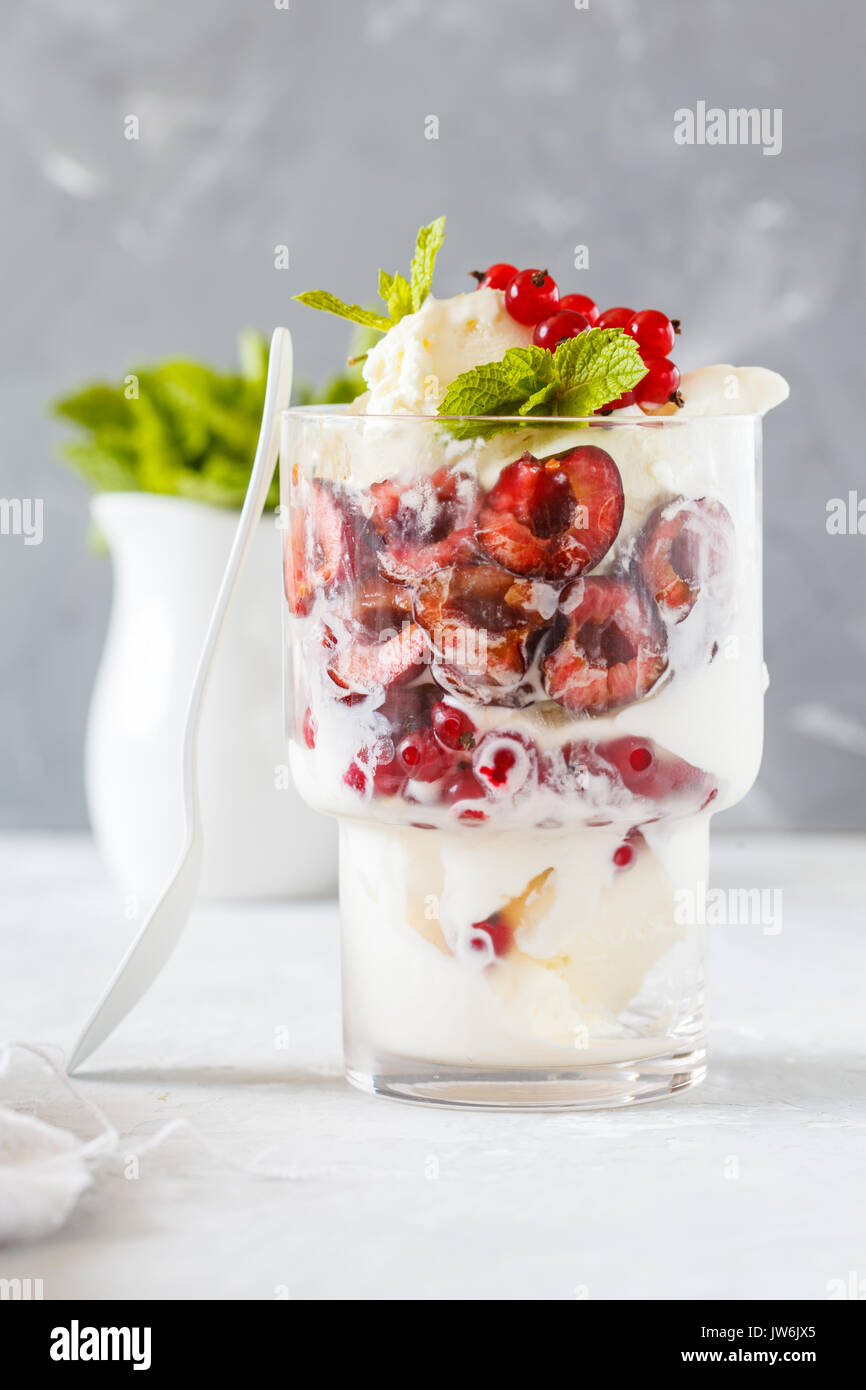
(604, 941)
(727, 390)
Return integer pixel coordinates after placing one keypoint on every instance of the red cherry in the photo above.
(619, 317)
(581, 304)
(406, 708)
(531, 295)
(452, 727)
(422, 756)
(555, 517)
(496, 276)
(659, 384)
(497, 929)
(623, 856)
(613, 647)
(310, 729)
(561, 325)
(684, 544)
(389, 779)
(655, 333)
(651, 772)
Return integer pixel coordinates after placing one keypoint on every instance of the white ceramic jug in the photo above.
(261, 840)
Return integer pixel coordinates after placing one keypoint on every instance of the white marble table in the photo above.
(751, 1186)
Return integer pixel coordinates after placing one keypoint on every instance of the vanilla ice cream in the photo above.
(410, 369)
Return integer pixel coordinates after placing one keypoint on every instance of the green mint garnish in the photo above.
(581, 376)
(400, 296)
(182, 427)
(427, 244)
(397, 294)
(356, 313)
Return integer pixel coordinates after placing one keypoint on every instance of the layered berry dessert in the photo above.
(522, 574)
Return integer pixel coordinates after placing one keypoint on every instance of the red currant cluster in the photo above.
(532, 298)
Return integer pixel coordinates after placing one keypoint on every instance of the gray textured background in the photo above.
(305, 126)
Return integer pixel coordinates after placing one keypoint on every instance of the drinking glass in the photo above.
(524, 670)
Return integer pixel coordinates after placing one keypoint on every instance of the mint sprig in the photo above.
(581, 376)
(399, 295)
(180, 427)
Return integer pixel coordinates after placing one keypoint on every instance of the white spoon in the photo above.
(163, 927)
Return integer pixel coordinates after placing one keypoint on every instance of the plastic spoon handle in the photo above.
(162, 929)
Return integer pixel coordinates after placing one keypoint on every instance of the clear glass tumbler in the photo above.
(525, 670)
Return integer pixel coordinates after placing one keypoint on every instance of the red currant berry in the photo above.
(452, 727)
(310, 729)
(423, 757)
(561, 325)
(623, 856)
(626, 319)
(659, 384)
(496, 276)
(462, 793)
(501, 764)
(531, 295)
(389, 779)
(627, 398)
(355, 777)
(640, 758)
(496, 929)
(581, 304)
(655, 333)
(505, 763)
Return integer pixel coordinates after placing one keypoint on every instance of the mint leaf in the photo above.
(397, 294)
(104, 471)
(539, 399)
(581, 376)
(497, 388)
(198, 402)
(95, 406)
(330, 304)
(427, 246)
(595, 368)
(188, 429)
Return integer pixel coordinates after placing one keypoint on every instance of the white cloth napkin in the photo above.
(43, 1172)
(44, 1168)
